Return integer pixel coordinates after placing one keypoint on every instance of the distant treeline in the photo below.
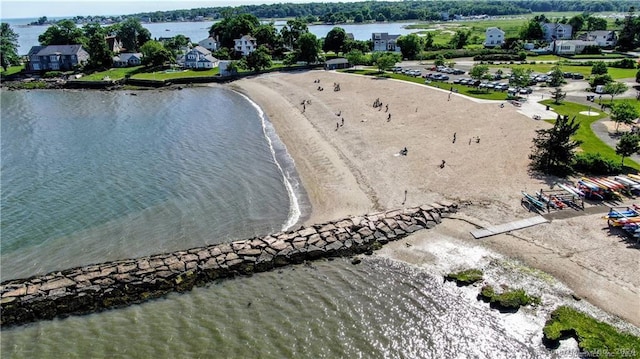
(394, 11)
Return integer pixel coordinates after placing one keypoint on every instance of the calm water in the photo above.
(90, 176)
(197, 31)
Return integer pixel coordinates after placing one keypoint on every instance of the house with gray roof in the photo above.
(127, 59)
(198, 58)
(382, 41)
(604, 38)
(56, 57)
(556, 31)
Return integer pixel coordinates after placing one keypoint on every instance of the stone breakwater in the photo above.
(103, 286)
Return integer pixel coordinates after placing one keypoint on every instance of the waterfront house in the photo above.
(604, 38)
(554, 31)
(198, 58)
(569, 47)
(114, 44)
(382, 41)
(127, 59)
(56, 57)
(494, 37)
(210, 43)
(245, 45)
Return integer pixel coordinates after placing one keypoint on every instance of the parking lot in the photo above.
(498, 82)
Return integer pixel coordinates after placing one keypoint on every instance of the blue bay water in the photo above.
(90, 176)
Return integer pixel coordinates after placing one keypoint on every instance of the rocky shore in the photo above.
(104, 286)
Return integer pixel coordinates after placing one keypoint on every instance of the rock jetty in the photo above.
(121, 283)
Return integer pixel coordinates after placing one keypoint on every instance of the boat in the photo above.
(614, 214)
(571, 190)
(532, 200)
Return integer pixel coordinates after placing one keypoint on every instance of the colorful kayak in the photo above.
(533, 200)
(571, 190)
(621, 214)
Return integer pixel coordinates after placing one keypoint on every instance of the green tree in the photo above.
(259, 59)
(596, 23)
(577, 23)
(308, 48)
(638, 76)
(267, 35)
(615, 88)
(410, 45)
(439, 61)
(132, 34)
(599, 68)
(356, 57)
(100, 56)
(553, 149)
(155, 54)
(600, 80)
(63, 33)
(556, 78)
(623, 112)
(627, 38)
(232, 67)
(234, 27)
(176, 43)
(381, 18)
(532, 30)
(629, 144)
(292, 32)
(478, 72)
(385, 61)
(8, 46)
(359, 18)
(428, 40)
(520, 77)
(460, 39)
(335, 40)
(557, 95)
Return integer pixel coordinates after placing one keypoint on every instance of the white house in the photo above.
(245, 45)
(494, 37)
(604, 38)
(553, 31)
(382, 41)
(127, 59)
(198, 58)
(570, 47)
(210, 44)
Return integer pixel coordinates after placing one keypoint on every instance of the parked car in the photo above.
(526, 90)
(457, 81)
(577, 76)
(458, 72)
(567, 75)
(396, 69)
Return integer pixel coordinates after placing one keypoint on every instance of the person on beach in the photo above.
(477, 139)
(449, 98)
(442, 164)
(454, 137)
(342, 122)
(389, 118)
(386, 109)
(404, 151)
(337, 125)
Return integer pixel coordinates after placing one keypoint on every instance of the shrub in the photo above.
(52, 74)
(509, 299)
(595, 164)
(624, 64)
(465, 277)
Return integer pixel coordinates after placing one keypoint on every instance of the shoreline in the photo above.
(355, 169)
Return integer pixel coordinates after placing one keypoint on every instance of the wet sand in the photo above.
(356, 168)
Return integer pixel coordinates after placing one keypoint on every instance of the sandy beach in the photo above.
(356, 168)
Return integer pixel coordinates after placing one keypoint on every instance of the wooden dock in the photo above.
(508, 227)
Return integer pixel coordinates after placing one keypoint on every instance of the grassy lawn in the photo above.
(116, 73)
(162, 75)
(11, 70)
(465, 90)
(595, 337)
(590, 142)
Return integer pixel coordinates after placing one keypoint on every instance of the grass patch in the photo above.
(594, 337)
(509, 300)
(116, 73)
(598, 56)
(11, 70)
(465, 277)
(590, 142)
(162, 75)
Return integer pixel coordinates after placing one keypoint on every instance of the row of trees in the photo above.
(333, 12)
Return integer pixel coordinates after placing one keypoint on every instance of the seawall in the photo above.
(98, 287)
